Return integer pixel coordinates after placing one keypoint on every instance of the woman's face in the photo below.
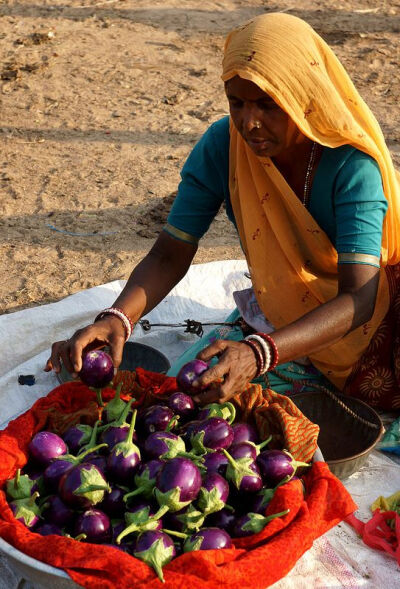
(265, 127)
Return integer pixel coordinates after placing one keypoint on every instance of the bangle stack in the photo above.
(117, 312)
(265, 351)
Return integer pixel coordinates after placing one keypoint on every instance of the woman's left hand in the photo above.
(236, 367)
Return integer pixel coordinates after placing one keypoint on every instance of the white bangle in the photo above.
(265, 348)
(121, 315)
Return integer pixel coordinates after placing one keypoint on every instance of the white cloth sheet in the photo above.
(339, 558)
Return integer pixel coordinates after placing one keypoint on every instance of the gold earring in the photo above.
(257, 125)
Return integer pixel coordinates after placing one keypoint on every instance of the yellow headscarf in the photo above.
(292, 261)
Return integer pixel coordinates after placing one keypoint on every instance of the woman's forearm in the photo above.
(155, 276)
(327, 324)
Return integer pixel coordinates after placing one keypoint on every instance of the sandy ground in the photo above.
(102, 102)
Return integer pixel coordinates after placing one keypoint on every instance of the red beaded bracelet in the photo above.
(275, 353)
(257, 353)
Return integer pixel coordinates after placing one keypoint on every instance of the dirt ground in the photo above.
(101, 103)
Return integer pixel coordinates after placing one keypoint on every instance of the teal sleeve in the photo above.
(204, 183)
(359, 206)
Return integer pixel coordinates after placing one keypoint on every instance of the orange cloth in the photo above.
(253, 563)
(292, 261)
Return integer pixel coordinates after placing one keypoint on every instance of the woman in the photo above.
(309, 183)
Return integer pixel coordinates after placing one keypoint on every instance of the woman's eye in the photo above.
(235, 103)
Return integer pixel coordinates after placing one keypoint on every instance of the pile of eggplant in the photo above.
(171, 478)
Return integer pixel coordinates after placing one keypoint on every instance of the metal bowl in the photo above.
(134, 355)
(345, 442)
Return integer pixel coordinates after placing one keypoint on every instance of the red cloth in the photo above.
(253, 563)
(378, 533)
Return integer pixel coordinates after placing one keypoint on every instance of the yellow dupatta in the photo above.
(292, 261)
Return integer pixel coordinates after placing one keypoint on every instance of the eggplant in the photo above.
(116, 431)
(211, 434)
(45, 446)
(20, 487)
(247, 449)
(178, 483)
(153, 419)
(156, 549)
(76, 436)
(95, 525)
(253, 523)
(244, 432)
(83, 486)
(244, 474)
(225, 411)
(204, 539)
(224, 519)
(124, 458)
(145, 479)
(97, 369)
(113, 503)
(189, 519)
(188, 375)
(213, 494)
(26, 510)
(114, 408)
(276, 465)
(142, 518)
(182, 405)
(56, 512)
(215, 462)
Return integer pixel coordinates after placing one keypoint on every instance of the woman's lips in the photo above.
(258, 144)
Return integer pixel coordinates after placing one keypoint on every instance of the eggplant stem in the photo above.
(177, 534)
(99, 397)
(133, 493)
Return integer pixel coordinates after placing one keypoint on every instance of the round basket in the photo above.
(345, 442)
(134, 355)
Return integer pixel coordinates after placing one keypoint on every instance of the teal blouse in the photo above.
(346, 199)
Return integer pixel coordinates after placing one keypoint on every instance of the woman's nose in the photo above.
(251, 121)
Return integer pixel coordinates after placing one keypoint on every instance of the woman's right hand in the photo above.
(108, 331)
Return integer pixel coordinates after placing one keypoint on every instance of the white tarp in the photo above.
(339, 558)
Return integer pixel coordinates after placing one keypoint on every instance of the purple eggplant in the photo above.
(204, 539)
(247, 449)
(253, 523)
(188, 375)
(97, 369)
(276, 465)
(224, 519)
(83, 486)
(189, 519)
(54, 511)
(20, 487)
(215, 462)
(244, 432)
(53, 473)
(45, 446)
(26, 511)
(48, 529)
(225, 411)
(211, 434)
(76, 436)
(113, 503)
(95, 525)
(97, 460)
(116, 431)
(145, 479)
(154, 419)
(182, 405)
(243, 474)
(124, 458)
(156, 549)
(163, 445)
(213, 493)
(178, 483)
(142, 518)
(114, 408)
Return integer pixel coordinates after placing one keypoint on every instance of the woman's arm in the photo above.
(152, 279)
(353, 305)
